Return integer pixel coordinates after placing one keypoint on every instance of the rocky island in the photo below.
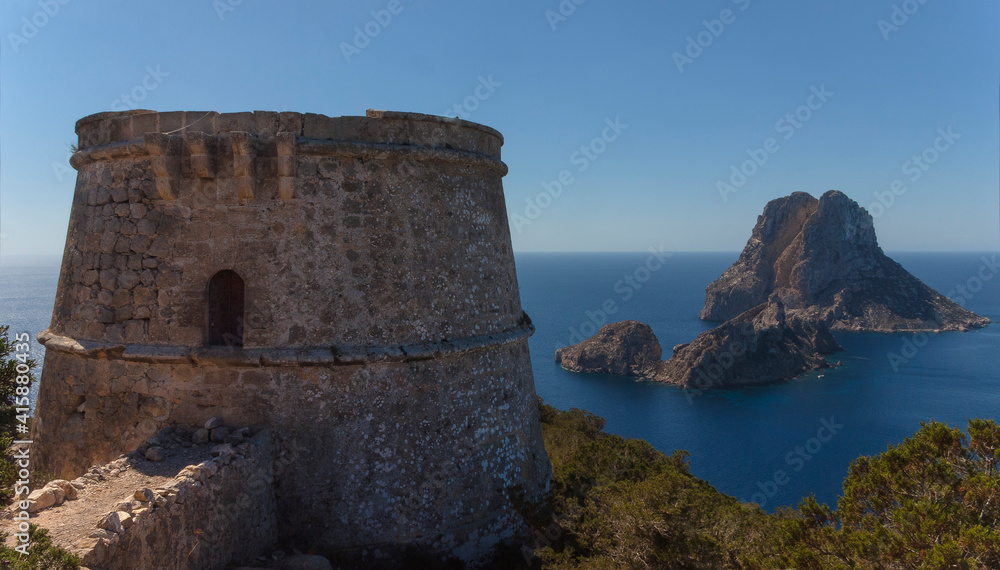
(821, 258)
(759, 346)
(811, 266)
(628, 348)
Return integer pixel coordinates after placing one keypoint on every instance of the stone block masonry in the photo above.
(347, 283)
(197, 507)
(213, 513)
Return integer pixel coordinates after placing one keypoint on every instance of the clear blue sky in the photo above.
(655, 185)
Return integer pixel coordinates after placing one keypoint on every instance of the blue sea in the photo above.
(763, 444)
(771, 444)
(27, 293)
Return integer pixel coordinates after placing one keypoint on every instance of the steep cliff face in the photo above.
(758, 346)
(751, 279)
(626, 347)
(822, 259)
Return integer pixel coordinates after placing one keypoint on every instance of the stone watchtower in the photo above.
(347, 282)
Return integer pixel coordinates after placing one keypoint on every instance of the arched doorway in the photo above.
(225, 309)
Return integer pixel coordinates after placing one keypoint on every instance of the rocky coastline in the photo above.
(811, 266)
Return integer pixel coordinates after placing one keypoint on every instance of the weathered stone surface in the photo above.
(373, 249)
(155, 454)
(225, 517)
(41, 499)
(759, 346)
(821, 258)
(304, 562)
(125, 518)
(626, 347)
(69, 491)
(144, 495)
(225, 452)
(219, 434)
(113, 522)
(201, 436)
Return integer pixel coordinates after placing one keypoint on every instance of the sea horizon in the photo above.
(736, 437)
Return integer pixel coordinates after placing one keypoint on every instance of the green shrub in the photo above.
(10, 401)
(932, 501)
(42, 555)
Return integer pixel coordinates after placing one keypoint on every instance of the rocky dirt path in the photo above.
(103, 489)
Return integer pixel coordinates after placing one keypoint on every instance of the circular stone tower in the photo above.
(346, 282)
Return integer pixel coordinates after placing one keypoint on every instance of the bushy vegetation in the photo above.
(932, 501)
(42, 555)
(14, 386)
(9, 388)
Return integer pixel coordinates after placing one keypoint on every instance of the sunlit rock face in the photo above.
(822, 259)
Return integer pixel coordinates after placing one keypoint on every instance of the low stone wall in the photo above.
(213, 513)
